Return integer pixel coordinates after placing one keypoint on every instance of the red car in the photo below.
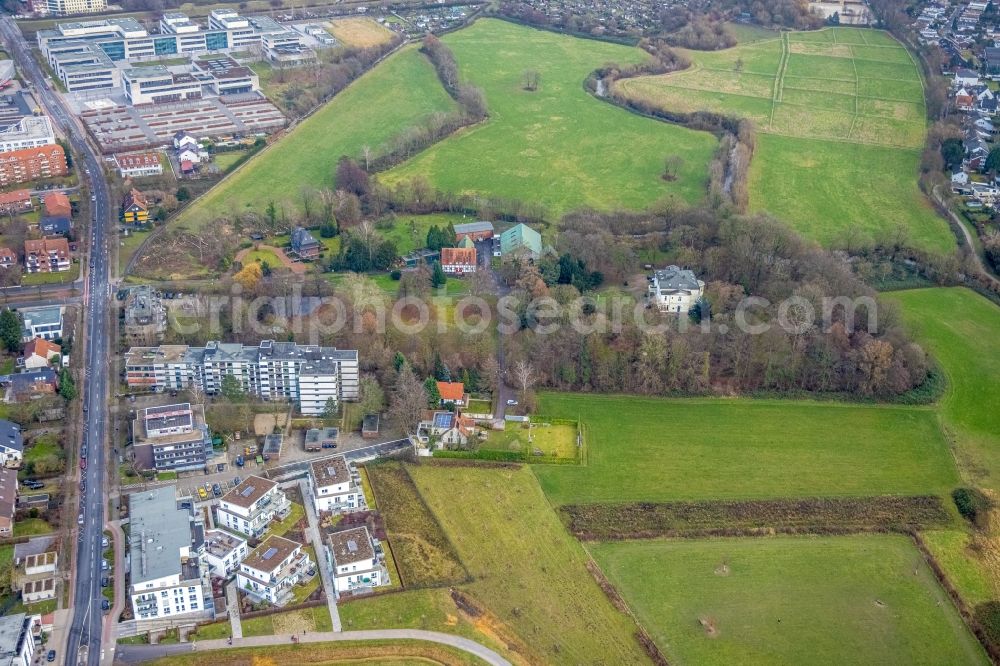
(83, 463)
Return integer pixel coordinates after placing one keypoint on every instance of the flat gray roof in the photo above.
(13, 628)
(158, 532)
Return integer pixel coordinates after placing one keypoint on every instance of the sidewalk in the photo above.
(315, 537)
(233, 606)
(109, 635)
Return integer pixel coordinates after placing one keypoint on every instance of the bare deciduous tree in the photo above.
(409, 400)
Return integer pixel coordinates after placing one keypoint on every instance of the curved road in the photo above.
(84, 642)
(136, 654)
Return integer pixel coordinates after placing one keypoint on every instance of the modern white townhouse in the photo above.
(223, 552)
(252, 505)
(354, 560)
(273, 568)
(334, 486)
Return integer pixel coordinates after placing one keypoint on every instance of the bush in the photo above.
(973, 505)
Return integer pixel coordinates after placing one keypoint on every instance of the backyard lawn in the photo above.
(790, 600)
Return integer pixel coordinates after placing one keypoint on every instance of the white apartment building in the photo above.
(307, 375)
(273, 568)
(29, 132)
(675, 290)
(354, 562)
(252, 505)
(17, 644)
(165, 573)
(223, 552)
(334, 486)
(64, 7)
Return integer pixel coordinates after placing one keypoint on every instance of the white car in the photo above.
(512, 403)
(80, 519)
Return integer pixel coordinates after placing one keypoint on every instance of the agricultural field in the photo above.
(789, 600)
(328, 654)
(358, 32)
(556, 146)
(841, 121)
(379, 105)
(745, 449)
(529, 576)
(959, 328)
(552, 440)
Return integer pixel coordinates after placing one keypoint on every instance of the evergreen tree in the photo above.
(438, 278)
(433, 395)
(10, 329)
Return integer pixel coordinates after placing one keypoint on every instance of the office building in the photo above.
(28, 132)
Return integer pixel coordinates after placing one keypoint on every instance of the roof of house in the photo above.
(187, 165)
(134, 198)
(57, 203)
(46, 245)
(518, 236)
(25, 382)
(270, 553)
(249, 491)
(10, 435)
(7, 253)
(137, 160)
(8, 491)
(451, 391)
(49, 314)
(673, 278)
(458, 256)
(55, 225)
(159, 530)
(967, 73)
(329, 434)
(220, 542)
(331, 472)
(16, 196)
(302, 238)
(353, 545)
(41, 347)
(473, 227)
(40, 559)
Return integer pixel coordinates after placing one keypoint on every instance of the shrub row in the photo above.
(722, 518)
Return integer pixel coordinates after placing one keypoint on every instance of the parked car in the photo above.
(105, 605)
(105, 581)
(105, 542)
(33, 484)
(217, 490)
(83, 463)
(511, 403)
(202, 494)
(51, 656)
(239, 461)
(79, 520)
(104, 565)
(220, 467)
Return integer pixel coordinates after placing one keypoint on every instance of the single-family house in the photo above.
(966, 77)
(8, 258)
(223, 552)
(458, 260)
(45, 322)
(139, 165)
(304, 244)
(449, 428)
(188, 155)
(521, 239)
(18, 201)
(476, 231)
(185, 140)
(964, 100)
(249, 507)
(55, 226)
(33, 384)
(334, 487)
(187, 167)
(39, 352)
(57, 204)
(355, 560)
(47, 255)
(8, 500)
(270, 571)
(959, 178)
(453, 392)
(11, 444)
(135, 208)
(674, 290)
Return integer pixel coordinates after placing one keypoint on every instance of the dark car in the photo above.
(83, 463)
(105, 581)
(105, 605)
(220, 467)
(33, 485)
(51, 656)
(239, 461)
(217, 489)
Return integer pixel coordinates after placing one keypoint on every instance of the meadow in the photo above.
(841, 121)
(653, 449)
(382, 103)
(789, 600)
(959, 328)
(528, 573)
(556, 146)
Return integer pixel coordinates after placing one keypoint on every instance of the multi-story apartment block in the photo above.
(223, 552)
(272, 569)
(252, 505)
(19, 166)
(172, 437)
(29, 132)
(354, 560)
(44, 322)
(310, 376)
(165, 569)
(17, 643)
(47, 255)
(334, 486)
(66, 7)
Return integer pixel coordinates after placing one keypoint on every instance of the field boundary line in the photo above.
(778, 77)
(857, 93)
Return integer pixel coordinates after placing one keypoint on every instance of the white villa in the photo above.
(251, 506)
(272, 569)
(334, 487)
(675, 290)
(354, 561)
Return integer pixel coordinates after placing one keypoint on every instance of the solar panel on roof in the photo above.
(352, 545)
(269, 553)
(442, 420)
(247, 492)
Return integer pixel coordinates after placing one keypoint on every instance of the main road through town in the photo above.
(84, 641)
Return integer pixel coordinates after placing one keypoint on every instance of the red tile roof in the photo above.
(451, 391)
(137, 160)
(57, 205)
(42, 348)
(458, 256)
(17, 196)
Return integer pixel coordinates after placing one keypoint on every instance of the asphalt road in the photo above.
(84, 643)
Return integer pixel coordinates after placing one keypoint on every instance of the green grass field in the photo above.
(370, 111)
(556, 146)
(528, 572)
(841, 120)
(652, 449)
(959, 328)
(790, 600)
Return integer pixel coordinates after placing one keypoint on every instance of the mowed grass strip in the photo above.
(556, 146)
(644, 449)
(959, 327)
(527, 570)
(790, 600)
(420, 548)
(379, 105)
